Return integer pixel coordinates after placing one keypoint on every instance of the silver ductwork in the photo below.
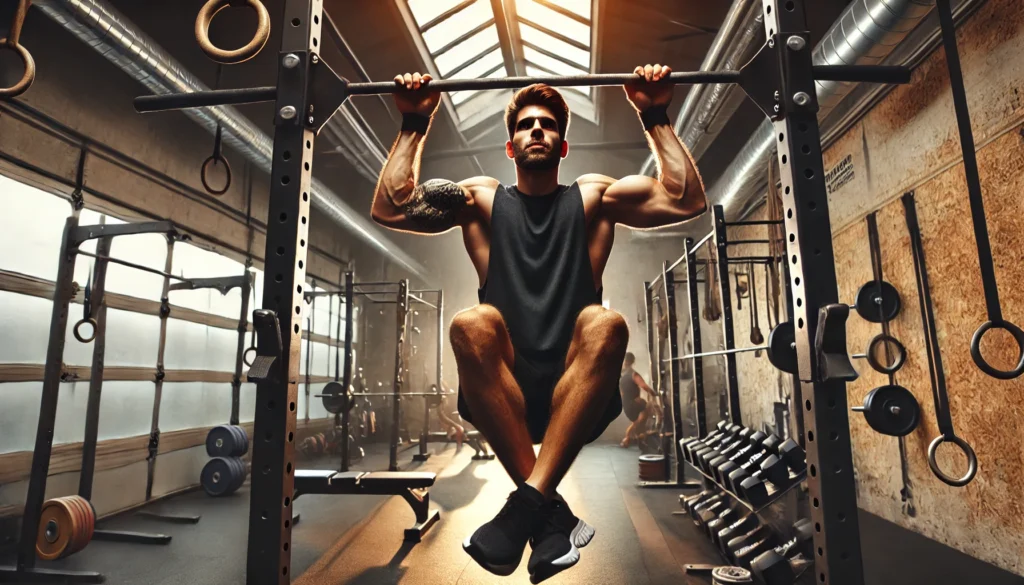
(724, 43)
(107, 31)
(865, 34)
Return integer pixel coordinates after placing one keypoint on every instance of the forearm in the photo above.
(399, 176)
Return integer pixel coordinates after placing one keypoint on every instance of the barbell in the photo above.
(336, 400)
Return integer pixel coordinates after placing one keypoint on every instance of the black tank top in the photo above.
(628, 387)
(539, 275)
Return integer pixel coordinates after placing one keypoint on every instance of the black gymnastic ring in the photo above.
(972, 460)
(214, 159)
(979, 360)
(245, 358)
(78, 335)
(901, 354)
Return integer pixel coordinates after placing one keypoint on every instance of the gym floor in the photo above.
(357, 540)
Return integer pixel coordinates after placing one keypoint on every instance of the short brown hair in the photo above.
(538, 94)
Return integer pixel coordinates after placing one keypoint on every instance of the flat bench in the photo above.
(411, 485)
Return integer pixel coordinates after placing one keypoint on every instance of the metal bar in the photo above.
(861, 73)
(576, 147)
(698, 366)
(273, 452)
(458, 69)
(723, 352)
(653, 363)
(702, 241)
(310, 323)
(62, 294)
(754, 222)
(158, 389)
(557, 35)
(830, 478)
(380, 283)
(350, 55)
(673, 347)
(560, 58)
(396, 395)
(739, 242)
(446, 15)
(751, 259)
(722, 242)
(199, 99)
(504, 28)
(132, 265)
(347, 372)
(243, 322)
(420, 300)
(99, 343)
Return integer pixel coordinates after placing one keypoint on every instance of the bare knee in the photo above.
(603, 329)
(479, 333)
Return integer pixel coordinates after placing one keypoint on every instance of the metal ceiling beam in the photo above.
(505, 25)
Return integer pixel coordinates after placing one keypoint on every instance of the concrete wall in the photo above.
(909, 142)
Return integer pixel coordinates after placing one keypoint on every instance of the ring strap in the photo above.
(875, 248)
(935, 370)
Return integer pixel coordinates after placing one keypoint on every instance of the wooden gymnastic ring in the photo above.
(242, 54)
(27, 78)
(78, 335)
(972, 460)
(212, 160)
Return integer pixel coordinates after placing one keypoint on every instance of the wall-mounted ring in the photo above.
(209, 162)
(972, 460)
(898, 359)
(230, 57)
(245, 356)
(78, 333)
(1018, 336)
(27, 78)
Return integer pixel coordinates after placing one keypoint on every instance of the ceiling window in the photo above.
(461, 39)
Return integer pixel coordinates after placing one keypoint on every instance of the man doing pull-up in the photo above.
(539, 357)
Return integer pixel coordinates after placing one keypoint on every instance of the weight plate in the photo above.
(876, 304)
(217, 476)
(892, 410)
(56, 529)
(731, 576)
(237, 449)
(221, 441)
(84, 524)
(334, 397)
(781, 349)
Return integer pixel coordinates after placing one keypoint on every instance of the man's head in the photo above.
(537, 119)
(629, 360)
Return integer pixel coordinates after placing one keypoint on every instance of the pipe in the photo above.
(735, 21)
(107, 31)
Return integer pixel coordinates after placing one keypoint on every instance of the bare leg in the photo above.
(582, 395)
(484, 354)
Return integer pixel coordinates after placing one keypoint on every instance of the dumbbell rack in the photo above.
(774, 493)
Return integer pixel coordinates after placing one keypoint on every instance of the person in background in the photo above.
(637, 409)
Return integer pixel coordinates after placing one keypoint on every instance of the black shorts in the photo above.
(536, 379)
(634, 409)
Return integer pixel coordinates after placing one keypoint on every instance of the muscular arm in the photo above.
(644, 202)
(433, 207)
(639, 380)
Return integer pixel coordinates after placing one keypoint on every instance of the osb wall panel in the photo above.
(911, 135)
(909, 142)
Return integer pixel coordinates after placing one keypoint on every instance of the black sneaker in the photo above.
(557, 542)
(498, 545)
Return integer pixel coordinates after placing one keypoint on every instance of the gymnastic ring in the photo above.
(26, 79)
(213, 160)
(78, 334)
(901, 354)
(984, 366)
(245, 356)
(972, 460)
(234, 56)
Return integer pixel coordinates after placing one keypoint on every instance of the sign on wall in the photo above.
(840, 174)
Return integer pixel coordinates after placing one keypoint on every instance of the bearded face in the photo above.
(536, 144)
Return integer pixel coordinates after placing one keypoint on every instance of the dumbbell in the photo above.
(704, 514)
(793, 454)
(731, 531)
(728, 516)
(712, 440)
(713, 501)
(771, 444)
(753, 488)
(703, 458)
(772, 568)
(722, 470)
(732, 479)
(742, 549)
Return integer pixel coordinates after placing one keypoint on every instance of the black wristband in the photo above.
(654, 116)
(417, 123)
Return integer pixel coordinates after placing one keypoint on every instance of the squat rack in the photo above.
(780, 79)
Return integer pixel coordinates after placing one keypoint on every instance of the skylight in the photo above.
(461, 40)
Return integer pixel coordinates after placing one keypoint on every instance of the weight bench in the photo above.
(411, 485)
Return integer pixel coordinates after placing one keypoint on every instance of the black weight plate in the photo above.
(245, 440)
(240, 476)
(238, 448)
(218, 476)
(870, 309)
(334, 397)
(892, 410)
(781, 352)
(221, 441)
